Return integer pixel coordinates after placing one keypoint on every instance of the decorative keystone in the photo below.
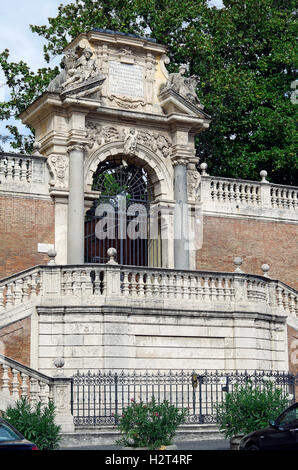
(263, 175)
(52, 253)
(112, 253)
(238, 261)
(265, 268)
(204, 167)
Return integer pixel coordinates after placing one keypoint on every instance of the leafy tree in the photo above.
(244, 54)
(246, 73)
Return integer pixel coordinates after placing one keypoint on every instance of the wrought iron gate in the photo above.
(124, 193)
(98, 397)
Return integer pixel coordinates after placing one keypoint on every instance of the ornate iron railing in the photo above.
(97, 398)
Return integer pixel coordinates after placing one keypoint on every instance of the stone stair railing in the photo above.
(18, 380)
(95, 284)
(243, 197)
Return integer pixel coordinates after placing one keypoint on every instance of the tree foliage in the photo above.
(244, 54)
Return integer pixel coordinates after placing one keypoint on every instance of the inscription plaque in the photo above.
(126, 80)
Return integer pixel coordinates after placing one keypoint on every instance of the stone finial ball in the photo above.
(52, 253)
(263, 175)
(265, 268)
(112, 252)
(204, 166)
(238, 261)
(59, 362)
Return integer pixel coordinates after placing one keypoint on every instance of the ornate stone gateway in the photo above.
(115, 101)
(119, 217)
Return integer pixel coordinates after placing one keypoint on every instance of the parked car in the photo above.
(12, 439)
(281, 434)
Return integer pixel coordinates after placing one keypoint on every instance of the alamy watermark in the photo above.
(136, 221)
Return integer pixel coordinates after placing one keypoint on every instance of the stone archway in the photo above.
(159, 244)
(160, 172)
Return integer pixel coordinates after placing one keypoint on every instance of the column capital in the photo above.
(79, 147)
(180, 161)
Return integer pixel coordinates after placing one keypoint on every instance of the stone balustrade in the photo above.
(20, 288)
(18, 380)
(24, 173)
(111, 283)
(248, 198)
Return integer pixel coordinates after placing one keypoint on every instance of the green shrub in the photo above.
(37, 425)
(249, 408)
(149, 425)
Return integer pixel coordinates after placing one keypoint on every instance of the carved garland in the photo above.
(100, 135)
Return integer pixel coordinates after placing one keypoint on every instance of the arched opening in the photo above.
(120, 217)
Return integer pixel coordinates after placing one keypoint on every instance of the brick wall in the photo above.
(293, 354)
(257, 242)
(24, 222)
(15, 341)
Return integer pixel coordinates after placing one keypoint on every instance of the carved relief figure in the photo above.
(130, 142)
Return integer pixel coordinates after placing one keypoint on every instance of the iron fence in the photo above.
(97, 398)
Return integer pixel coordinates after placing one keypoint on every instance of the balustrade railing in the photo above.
(21, 287)
(15, 167)
(217, 193)
(19, 381)
(65, 285)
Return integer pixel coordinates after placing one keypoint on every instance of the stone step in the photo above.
(107, 435)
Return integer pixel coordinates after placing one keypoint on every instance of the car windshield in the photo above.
(7, 434)
(289, 417)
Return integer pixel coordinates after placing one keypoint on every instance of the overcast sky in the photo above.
(15, 34)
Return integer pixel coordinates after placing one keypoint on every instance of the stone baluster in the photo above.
(97, 283)
(292, 304)
(5, 378)
(192, 287)
(2, 168)
(43, 393)
(178, 286)
(141, 284)
(17, 170)
(15, 384)
(2, 290)
(279, 297)
(163, 286)
(9, 295)
(220, 291)
(18, 289)
(24, 385)
(220, 191)
(171, 286)
(125, 283)
(213, 288)
(204, 288)
(10, 169)
(155, 286)
(148, 285)
(23, 170)
(34, 389)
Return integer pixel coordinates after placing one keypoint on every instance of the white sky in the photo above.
(15, 35)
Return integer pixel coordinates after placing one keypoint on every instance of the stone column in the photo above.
(76, 214)
(181, 252)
